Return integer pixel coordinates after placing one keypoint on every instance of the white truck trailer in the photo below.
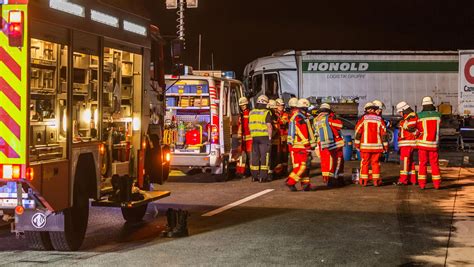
(345, 76)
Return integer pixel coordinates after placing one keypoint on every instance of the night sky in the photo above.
(239, 31)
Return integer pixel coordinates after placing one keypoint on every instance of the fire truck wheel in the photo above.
(38, 240)
(133, 215)
(75, 222)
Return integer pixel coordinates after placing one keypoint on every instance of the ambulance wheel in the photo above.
(38, 240)
(228, 171)
(136, 214)
(75, 222)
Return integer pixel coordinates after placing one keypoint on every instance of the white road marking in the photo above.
(236, 203)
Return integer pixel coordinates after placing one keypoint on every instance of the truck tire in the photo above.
(38, 240)
(75, 222)
(136, 214)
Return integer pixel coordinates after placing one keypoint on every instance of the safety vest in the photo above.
(257, 124)
(327, 128)
(428, 125)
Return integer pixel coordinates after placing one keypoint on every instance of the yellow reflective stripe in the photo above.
(375, 176)
(435, 177)
(254, 168)
(364, 176)
(295, 177)
(421, 177)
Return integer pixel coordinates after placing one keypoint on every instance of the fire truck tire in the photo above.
(38, 240)
(75, 222)
(133, 215)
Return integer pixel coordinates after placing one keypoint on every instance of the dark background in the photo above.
(238, 31)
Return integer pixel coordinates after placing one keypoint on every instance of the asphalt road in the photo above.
(347, 225)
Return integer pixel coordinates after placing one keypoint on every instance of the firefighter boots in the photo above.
(171, 216)
(181, 228)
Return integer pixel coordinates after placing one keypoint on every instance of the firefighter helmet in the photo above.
(369, 105)
(271, 104)
(280, 102)
(402, 106)
(293, 102)
(243, 101)
(427, 100)
(379, 104)
(325, 106)
(263, 99)
(303, 103)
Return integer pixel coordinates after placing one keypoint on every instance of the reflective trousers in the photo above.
(328, 163)
(243, 165)
(407, 165)
(432, 157)
(370, 159)
(300, 171)
(260, 157)
(283, 158)
(339, 173)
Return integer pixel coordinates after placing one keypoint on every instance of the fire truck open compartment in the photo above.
(85, 102)
(188, 116)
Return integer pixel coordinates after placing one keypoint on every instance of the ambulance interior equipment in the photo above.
(188, 116)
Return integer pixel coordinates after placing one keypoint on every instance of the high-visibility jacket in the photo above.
(257, 122)
(428, 127)
(283, 120)
(370, 134)
(244, 129)
(408, 130)
(327, 129)
(300, 132)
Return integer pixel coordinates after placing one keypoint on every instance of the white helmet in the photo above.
(263, 99)
(243, 101)
(325, 106)
(427, 100)
(369, 105)
(293, 102)
(272, 104)
(379, 104)
(280, 102)
(303, 103)
(402, 106)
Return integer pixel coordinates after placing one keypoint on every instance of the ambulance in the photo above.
(201, 121)
(80, 117)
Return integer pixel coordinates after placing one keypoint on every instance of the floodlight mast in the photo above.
(181, 6)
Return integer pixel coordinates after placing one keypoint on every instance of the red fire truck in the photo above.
(81, 117)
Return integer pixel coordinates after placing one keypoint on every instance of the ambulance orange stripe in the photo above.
(10, 123)
(10, 63)
(9, 92)
(6, 149)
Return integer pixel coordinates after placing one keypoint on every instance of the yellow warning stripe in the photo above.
(20, 56)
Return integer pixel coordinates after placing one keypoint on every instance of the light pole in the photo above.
(181, 6)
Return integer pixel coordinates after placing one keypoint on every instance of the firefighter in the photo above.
(407, 143)
(274, 170)
(293, 110)
(327, 129)
(243, 166)
(380, 107)
(283, 126)
(302, 141)
(371, 140)
(260, 124)
(427, 142)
